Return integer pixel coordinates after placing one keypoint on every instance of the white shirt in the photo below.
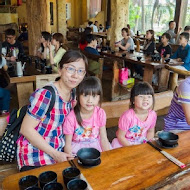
(3, 63)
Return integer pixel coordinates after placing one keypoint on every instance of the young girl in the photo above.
(85, 125)
(137, 124)
(149, 45)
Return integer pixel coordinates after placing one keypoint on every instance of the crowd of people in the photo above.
(77, 119)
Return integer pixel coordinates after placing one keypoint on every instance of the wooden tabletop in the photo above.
(134, 167)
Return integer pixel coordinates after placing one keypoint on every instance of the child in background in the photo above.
(149, 45)
(165, 49)
(137, 124)
(85, 125)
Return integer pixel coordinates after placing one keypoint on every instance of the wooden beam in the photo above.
(37, 18)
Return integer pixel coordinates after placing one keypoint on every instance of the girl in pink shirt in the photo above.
(137, 124)
(85, 125)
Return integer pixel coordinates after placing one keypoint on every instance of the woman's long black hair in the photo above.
(89, 86)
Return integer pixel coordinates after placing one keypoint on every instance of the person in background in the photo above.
(165, 49)
(183, 52)
(127, 43)
(149, 45)
(131, 31)
(137, 125)
(83, 43)
(4, 93)
(41, 48)
(41, 138)
(56, 55)
(178, 117)
(172, 26)
(101, 28)
(12, 44)
(24, 34)
(92, 44)
(186, 29)
(84, 127)
(92, 26)
(95, 27)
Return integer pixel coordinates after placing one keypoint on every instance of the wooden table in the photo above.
(135, 167)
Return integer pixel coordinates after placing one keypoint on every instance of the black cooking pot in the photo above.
(88, 156)
(168, 138)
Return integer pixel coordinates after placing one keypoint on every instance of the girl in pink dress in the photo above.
(85, 125)
(137, 124)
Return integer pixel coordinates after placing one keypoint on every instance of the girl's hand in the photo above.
(62, 156)
(45, 44)
(179, 59)
(49, 45)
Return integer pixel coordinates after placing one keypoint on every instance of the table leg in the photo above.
(148, 73)
(24, 90)
(163, 79)
(174, 81)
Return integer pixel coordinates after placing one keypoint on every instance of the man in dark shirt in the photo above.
(92, 44)
(164, 49)
(12, 45)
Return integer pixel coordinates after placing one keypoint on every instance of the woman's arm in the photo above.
(104, 139)
(68, 147)
(123, 47)
(121, 137)
(150, 133)
(28, 130)
(186, 109)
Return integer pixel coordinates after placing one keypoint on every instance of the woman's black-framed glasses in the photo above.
(72, 70)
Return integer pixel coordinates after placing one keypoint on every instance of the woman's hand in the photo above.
(61, 156)
(179, 59)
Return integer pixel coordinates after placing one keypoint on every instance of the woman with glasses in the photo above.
(41, 142)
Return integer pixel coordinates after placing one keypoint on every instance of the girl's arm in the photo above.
(68, 147)
(104, 139)
(124, 47)
(150, 133)
(121, 137)
(186, 109)
(28, 130)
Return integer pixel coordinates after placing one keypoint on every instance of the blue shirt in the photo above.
(91, 50)
(184, 54)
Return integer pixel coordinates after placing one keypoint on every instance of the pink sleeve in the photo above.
(125, 121)
(69, 124)
(101, 117)
(153, 119)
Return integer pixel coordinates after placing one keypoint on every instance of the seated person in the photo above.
(58, 52)
(92, 44)
(12, 44)
(101, 28)
(127, 43)
(149, 45)
(24, 34)
(131, 31)
(186, 29)
(183, 52)
(165, 49)
(92, 26)
(83, 43)
(178, 118)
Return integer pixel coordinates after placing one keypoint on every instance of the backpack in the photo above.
(8, 145)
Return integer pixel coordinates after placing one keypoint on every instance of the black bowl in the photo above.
(47, 177)
(28, 181)
(168, 138)
(88, 156)
(167, 60)
(77, 184)
(139, 58)
(123, 54)
(131, 50)
(112, 52)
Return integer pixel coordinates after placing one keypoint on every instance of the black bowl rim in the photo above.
(44, 173)
(52, 183)
(94, 159)
(70, 168)
(168, 141)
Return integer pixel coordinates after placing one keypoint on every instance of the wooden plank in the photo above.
(22, 79)
(163, 79)
(148, 73)
(24, 90)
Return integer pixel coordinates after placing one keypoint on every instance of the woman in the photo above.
(149, 45)
(83, 43)
(41, 140)
(178, 118)
(56, 54)
(127, 42)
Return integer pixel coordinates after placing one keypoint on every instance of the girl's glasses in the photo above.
(72, 70)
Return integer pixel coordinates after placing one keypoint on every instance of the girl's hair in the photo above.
(72, 56)
(168, 36)
(46, 35)
(89, 86)
(152, 38)
(126, 30)
(141, 88)
(87, 31)
(59, 37)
